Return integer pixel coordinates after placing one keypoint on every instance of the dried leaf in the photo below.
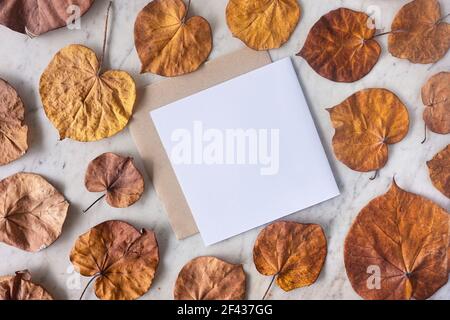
(397, 247)
(340, 46)
(209, 278)
(13, 132)
(20, 287)
(168, 43)
(439, 168)
(366, 123)
(263, 24)
(436, 98)
(294, 252)
(32, 212)
(118, 177)
(418, 33)
(35, 17)
(122, 259)
(82, 104)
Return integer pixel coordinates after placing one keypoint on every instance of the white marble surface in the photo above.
(22, 60)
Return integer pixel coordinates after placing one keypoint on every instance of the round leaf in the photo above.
(35, 17)
(20, 287)
(340, 46)
(439, 168)
(366, 123)
(263, 24)
(418, 33)
(436, 98)
(13, 132)
(167, 42)
(82, 104)
(122, 259)
(294, 252)
(397, 247)
(118, 177)
(209, 278)
(32, 212)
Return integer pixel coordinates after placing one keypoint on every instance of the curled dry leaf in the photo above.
(263, 24)
(168, 43)
(35, 17)
(13, 132)
(20, 287)
(209, 278)
(366, 123)
(83, 104)
(436, 98)
(118, 177)
(439, 168)
(341, 46)
(397, 247)
(419, 33)
(293, 252)
(121, 259)
(32, 212)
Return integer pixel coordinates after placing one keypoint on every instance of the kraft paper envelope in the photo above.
(143, 131)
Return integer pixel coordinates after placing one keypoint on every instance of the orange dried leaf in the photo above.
(118, 177)
(122, 259)
(439, 168)
(35, 17)
(209, 278)
(397, 247)
(263, 24)
(340, 46)
(20, 287)
(366, 123)
(436, 98)
(419, 33)
(13, 132)
(168, 43)
(294, 252)
(32, 212)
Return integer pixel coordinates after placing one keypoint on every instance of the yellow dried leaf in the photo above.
(83, 104)
(439, 168)
(263, 24)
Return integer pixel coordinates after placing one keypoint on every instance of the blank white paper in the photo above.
(229, 189)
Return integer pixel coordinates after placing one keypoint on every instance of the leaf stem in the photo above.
(383, 34)
(443, 18)
(105, 37)
(425, 135)
(187, 12)
(95, 202)
(375, 175)
(87, 286)
(270, 286)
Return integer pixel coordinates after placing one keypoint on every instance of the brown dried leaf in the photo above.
(436, 98)
(35, 17)
(209, 278)
(366, 123)
(263, 24)
(168, 43)
(118, 177)
(32, 212)
(82, 103)
(294, 252)
(122, 259)
(340, 46)
(439, 168)
(400, 241)
(20, 287)
(13, 132)
(418, 32)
